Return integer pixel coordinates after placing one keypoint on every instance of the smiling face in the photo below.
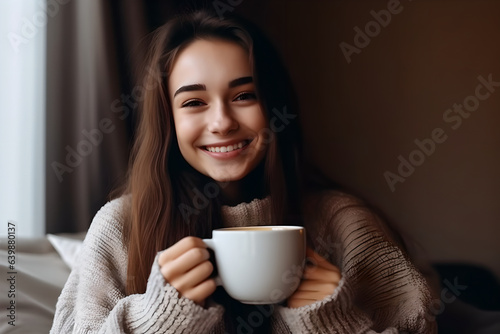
(218, 120)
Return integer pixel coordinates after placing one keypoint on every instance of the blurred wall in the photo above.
(359, 117)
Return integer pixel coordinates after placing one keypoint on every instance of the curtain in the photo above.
(92, 47)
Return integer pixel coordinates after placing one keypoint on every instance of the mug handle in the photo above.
(211, 244)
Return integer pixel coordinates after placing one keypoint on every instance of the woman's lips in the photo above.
(227, 151)
(227, 148)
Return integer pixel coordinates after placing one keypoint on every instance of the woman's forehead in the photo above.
(210, 60)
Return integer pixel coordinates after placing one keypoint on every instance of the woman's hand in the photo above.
(320, 280)
(187, 268)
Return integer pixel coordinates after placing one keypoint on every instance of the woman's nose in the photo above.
(221, 120)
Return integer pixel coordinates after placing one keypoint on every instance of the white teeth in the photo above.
(224, 149)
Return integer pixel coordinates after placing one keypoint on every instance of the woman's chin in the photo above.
(226, 178)
(230, 172)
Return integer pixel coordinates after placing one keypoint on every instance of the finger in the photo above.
(202, 291)
(294, 303)
(318, 260)
(317, 286)
(181, 247)
(193, 277)
(321, 274)
(310, 295)
(184, 263)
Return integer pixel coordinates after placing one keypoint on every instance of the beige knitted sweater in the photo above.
(380, 291)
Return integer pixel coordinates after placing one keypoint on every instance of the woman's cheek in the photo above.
(187, 130)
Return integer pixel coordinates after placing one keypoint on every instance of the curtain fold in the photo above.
(91, 47)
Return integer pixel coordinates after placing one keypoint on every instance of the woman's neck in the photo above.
(244, 190)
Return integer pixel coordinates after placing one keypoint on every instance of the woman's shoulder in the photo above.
(331, 211)
(331, 200)
(116, 208)
(110, 219)
(348, 216)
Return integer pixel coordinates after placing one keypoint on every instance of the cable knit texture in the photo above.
(380, 290)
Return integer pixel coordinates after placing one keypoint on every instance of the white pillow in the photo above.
(68, 248)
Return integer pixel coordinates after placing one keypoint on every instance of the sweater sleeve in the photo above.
(380, 290)
(94, 300)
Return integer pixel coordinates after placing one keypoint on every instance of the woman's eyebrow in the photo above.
(189, 88)
(240, 81)
(232, 83)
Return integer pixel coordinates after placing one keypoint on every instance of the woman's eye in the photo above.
(246, 96)
(192, 103)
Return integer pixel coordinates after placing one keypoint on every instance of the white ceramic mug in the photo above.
(259, 264)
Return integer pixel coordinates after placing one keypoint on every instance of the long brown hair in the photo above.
(162, 184)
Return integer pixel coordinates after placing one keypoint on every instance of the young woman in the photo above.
(218, 145)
